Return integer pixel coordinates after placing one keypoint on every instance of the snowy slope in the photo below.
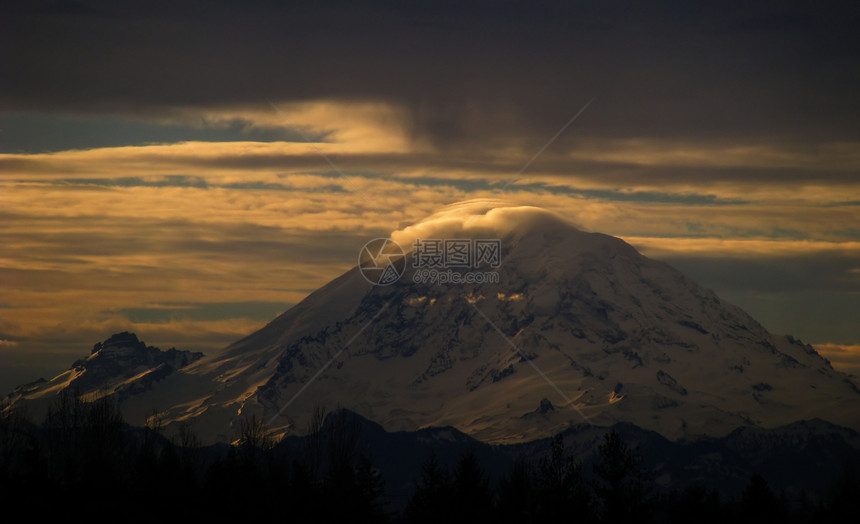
(579, 329)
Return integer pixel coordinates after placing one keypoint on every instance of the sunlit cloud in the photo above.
(478, 218)
(842, 156)
(363, 127)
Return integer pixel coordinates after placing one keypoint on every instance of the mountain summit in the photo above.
(122, 366)
(573, 328)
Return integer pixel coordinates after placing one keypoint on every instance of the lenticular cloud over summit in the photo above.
(479, 218)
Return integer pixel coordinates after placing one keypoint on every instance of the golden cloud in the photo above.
(844, 156)
(355, 127)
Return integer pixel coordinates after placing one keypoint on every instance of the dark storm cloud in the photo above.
(465, 70)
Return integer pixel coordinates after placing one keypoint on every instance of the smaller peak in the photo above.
(123, 337)
(118, 340)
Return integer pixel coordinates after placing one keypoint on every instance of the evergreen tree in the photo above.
(64, 436)
(472, 499)
(694, 504)
(561, 494)
(759, 504)
(372, 489)
(621, 485)
(516, 496)
(844, 501)
(15, 436)
(357, 490)
(431, 501)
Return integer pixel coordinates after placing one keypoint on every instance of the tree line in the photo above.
(83, 457)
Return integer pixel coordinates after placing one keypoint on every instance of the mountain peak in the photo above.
(121, 365)
(119, 340)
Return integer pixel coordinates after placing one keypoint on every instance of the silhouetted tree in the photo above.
(471, 496)
(253, 434)
(221, 477)
(357, 488)
(304, 493)
(64, 424)
(371, 486)
(85, 441)
(843, 503)
(253, 451)
(560, 491)
(694, 504)
(105, 440)
(464, 496)
(146, 476)
(622, 487)
(341, 433)
(431, 501)
(188, 444)
(759, 504)
(22, 468)
(516, 496)
(313, 441)
(16, 436)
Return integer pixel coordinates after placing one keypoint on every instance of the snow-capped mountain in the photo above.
(578, 328)
(122, 366)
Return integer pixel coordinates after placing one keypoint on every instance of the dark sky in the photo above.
(465, 70)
